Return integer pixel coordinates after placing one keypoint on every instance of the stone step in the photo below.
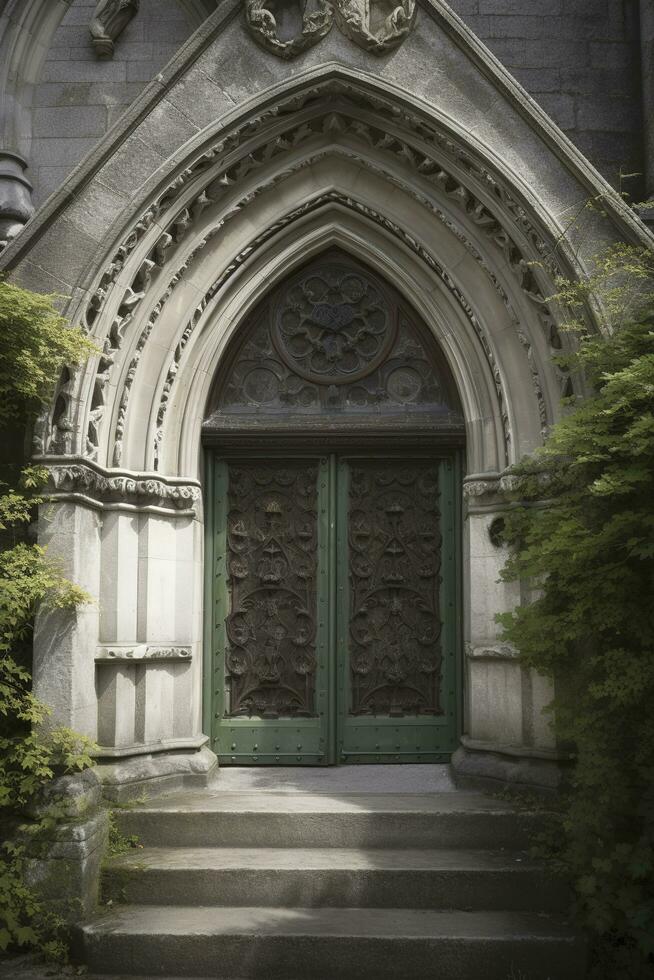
(366, 820)
(333, 877)
(321, 944)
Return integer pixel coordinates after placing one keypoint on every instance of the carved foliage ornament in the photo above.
(55, 432)
(377, 26)
(107, 484)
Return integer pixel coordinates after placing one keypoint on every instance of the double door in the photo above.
(333, 609)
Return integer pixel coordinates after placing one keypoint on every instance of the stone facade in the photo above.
(580, 60)
(401, 141)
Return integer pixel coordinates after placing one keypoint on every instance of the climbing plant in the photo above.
(35, 343)
(582, 531)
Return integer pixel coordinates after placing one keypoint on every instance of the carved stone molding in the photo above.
(109, 20)
(494, 651)
(79, 480)
(56, 436)
(141, 653)
(407, 239)
(482, 485)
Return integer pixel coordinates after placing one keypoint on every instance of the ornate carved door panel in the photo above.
(333, 585)
(334, 630)
(270, 640)
(397, 638)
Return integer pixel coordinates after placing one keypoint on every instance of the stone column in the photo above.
(16, 206)
(507, 739)
(127, 668)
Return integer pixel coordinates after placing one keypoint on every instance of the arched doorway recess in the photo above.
(333, 436)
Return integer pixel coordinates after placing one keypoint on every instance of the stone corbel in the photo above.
(16, 206)
(109, 20)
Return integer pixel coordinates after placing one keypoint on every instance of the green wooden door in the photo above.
(334, 614)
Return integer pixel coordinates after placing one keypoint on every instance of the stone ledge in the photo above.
(514, 768)
(141, 653)
(154, 775)
(150, 748)
(497, 652)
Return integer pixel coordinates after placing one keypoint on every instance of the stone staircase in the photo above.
(306, 885)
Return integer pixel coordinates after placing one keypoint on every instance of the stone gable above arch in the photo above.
(221, 71)
(232, 147)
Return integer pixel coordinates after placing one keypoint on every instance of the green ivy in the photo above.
(35, 344)
(590, 553)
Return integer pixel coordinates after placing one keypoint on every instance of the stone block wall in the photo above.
(79, 98)
(580, 60)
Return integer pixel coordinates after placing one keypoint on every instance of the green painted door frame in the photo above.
(332, 735)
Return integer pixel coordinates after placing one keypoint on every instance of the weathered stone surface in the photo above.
(72, 75)
(380, 879)
(488, 770)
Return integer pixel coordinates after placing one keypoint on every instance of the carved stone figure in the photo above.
(377, 26)
(109, 20)
(264, 19)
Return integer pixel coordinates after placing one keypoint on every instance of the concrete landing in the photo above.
(335, 779)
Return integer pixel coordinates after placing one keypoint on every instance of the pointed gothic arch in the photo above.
(167, 241)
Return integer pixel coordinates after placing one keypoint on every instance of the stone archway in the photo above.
(328, 157)
(332, 639)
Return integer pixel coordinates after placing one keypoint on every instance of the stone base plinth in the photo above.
(508, 768)
(152, 775)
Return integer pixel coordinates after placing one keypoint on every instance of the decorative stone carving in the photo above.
(410, 242)
(140, 653)
(264, 27)
(333, 342)
(482, 485)
(109, 20)
(333, 324)
(377, 26)
(162, 213)
(74, 479)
